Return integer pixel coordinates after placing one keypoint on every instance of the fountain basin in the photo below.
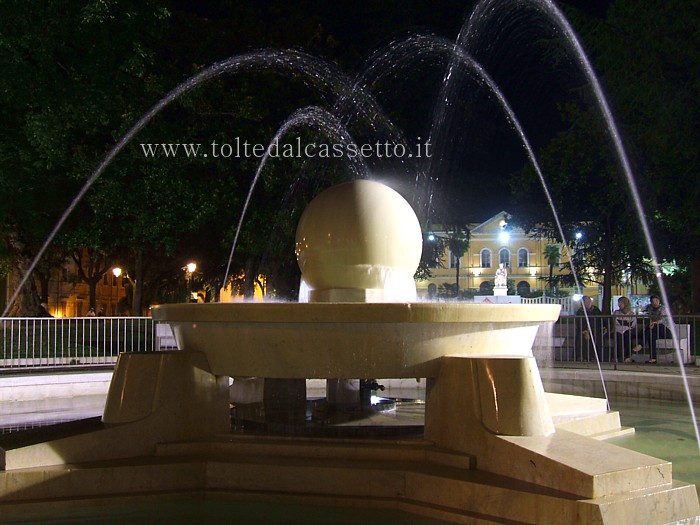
(349, 340)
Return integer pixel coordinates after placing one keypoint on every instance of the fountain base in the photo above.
(461, 471)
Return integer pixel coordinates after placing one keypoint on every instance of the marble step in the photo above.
(230, 445)
(599, 426)
(387, 475)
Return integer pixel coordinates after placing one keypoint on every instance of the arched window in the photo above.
(486, 288)
(504, 257)
(486, 258)
(523, 288)
(523, 258)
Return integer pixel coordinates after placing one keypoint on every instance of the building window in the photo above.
(486, 258)
(523, 258)
(523, 288)
(486, 288)
(504, 257)
(453, 260)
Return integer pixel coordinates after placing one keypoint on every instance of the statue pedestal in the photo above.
(497, 299)
(500, 291)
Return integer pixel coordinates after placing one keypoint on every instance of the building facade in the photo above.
(70, 297)
(492, 243)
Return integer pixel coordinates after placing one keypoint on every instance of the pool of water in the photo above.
(663, 429)
(211, 509)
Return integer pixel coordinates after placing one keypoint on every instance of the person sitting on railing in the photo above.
(625, 330)
(656, 312)
(588, 332)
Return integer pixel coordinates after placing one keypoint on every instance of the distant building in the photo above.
(70, 297)
(491, 243)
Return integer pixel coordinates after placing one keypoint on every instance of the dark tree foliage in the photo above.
(648, 65)
(649, 54)
(78, 75)
(72, 73)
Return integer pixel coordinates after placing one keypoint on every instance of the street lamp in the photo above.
(116, 271)
(189, 271)
(504, 234)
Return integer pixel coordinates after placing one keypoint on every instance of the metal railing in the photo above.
(567, 303)
(38, 342)
(572, 339)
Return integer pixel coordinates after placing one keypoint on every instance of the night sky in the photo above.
(480, 151)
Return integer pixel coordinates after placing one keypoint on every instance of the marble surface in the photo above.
(30, 414)
(350, 340)
(413, 476)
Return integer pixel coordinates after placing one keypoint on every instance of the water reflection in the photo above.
(663, 429)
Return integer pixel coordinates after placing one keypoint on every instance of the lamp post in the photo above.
(577, 236)
(116, 271)
(189, 271)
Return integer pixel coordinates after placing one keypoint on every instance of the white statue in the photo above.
(501, 279)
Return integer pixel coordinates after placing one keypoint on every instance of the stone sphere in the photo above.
(358, 235)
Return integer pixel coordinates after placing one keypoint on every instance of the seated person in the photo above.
(625, 330)
(589, 330)
(656, 328)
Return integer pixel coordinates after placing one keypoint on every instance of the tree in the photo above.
(71, 73)
(92, 265)
(453, 243)
(458, 243)
(589, 194)
(649, 54)
(552, 256)
(648, 61)
(431, 255)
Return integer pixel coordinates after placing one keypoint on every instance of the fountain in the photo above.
(495, 447)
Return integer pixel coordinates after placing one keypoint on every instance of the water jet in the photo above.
(496, 447)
